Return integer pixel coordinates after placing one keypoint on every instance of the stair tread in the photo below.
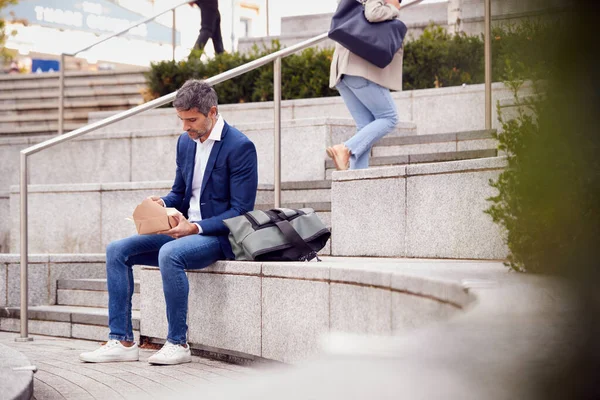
(49, 310)
(436, 138)
(322, 206)
(426, 157)
(96, 285)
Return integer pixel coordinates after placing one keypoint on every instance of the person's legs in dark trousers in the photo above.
(210, 28)
(216, 37)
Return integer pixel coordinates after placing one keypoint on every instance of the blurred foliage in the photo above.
(549, 195)
(4, 54)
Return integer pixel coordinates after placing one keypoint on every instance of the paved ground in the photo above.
(61, 375)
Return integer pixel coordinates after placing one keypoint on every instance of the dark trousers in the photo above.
(210, 29)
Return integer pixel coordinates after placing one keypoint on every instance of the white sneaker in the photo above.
(112, 351)
(171, 354)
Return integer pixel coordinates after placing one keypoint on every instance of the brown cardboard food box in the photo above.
(150, 217)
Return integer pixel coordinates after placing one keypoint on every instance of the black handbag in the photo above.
(375, 42)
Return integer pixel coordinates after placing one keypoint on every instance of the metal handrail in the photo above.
(274, 57)
(61, 77)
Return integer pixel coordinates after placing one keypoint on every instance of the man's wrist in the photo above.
(198, 230)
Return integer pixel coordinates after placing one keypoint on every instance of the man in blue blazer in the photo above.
(216, 178)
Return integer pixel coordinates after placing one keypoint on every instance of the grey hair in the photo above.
(196, 94)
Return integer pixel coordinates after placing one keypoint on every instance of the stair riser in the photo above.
(91, 103)
(39, 126)
(413, 149)
(98, 285)
(50, 112)
(431, 211)
(88, 298)
(100, 217)
(296, 196)
(150, 156)
(442, 147)
(70, 99)
(61, 329)
(71, 82)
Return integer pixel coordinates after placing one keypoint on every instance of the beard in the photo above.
(196, 134)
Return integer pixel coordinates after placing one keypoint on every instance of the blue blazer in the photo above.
(228, 187)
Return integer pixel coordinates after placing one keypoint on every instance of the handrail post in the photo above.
(277, 131)
(488, 64)
(174, 33)
(24, 284)
(61, 94)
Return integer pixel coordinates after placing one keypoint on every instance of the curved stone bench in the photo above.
(17, 384)
(280, 311)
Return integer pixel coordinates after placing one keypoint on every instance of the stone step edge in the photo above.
(437, 138)
(92, 285)
(62, 313)
(55, 75)
(426, 158)
(81, 93)
(17, 385)
(100, 102)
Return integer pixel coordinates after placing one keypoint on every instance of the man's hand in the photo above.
(183, 228)
(157, 200)
(395, 3)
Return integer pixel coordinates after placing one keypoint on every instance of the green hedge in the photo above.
(435, 59)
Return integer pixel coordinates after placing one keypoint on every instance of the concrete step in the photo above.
(72, 79)
(43, 128)
(89, 298)
(70, 92)
(143, 153)
(5, 109)
(422, 158)
(441, 143)
(297, 192)
(102, 209)
(53, 98)
(98, 285)
(20, 118)
(431, 210)
(89, 323)
(29, 103)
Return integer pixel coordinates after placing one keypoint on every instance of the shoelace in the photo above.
(168, 349)
(110, 344)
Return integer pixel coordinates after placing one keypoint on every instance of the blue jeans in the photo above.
(173, 256)
(374, 112)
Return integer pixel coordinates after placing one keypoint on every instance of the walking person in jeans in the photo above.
(210, 25)
(365, 89)
(216, 178)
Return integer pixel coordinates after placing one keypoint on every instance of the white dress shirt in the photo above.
(202, 153)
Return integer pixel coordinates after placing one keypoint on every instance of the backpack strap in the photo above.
(258, 218)
(296, 240)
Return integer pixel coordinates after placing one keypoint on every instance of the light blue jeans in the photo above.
(374, 112)
(173, 257)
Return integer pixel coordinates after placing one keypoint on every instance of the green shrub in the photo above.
(435, 59)
(439, 59)
(304, 75)
(548, 195)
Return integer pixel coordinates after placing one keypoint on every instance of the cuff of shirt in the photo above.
(199, 228)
